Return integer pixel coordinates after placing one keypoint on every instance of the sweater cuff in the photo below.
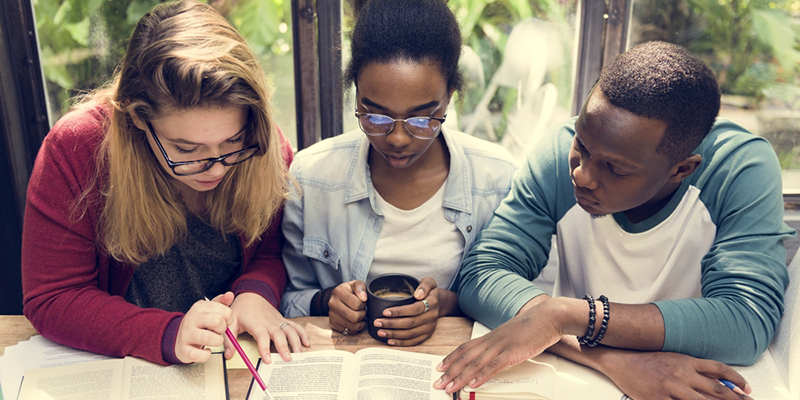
(260, 288)
(169, 339)
(319, 303)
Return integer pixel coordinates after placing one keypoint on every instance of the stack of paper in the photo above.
(37, 352)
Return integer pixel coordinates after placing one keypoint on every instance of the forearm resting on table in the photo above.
(630, 326)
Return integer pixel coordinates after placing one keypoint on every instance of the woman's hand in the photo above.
(414, 323)
(254, 314)
(662, 375)
(203, 326)
(348, 307)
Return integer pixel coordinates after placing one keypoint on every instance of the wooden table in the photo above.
(450, 332)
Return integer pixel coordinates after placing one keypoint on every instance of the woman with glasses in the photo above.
(401, 195)
(157, 190)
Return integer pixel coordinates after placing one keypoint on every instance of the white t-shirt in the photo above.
(419, 242)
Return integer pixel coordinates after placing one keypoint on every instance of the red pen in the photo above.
(246, 360)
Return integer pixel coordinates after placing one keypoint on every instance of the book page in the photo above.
(96, 380)
(764, 378)
(144, 380)
(389, 374)
(531, 379)
(784, 349)
(546, 376)
(316, 375)
(577, 381)
(37, 352)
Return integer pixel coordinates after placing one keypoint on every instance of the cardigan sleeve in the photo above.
(65, 278)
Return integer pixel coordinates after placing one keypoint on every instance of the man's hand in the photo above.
(520, 338)
(663, 375)
(348, 307)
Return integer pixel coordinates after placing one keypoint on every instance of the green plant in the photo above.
(751, 44)
(789, 159)
(82, 41)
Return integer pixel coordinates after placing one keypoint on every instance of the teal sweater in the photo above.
(742, 273)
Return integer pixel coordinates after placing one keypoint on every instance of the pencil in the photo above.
(246, 360)
(733, 387)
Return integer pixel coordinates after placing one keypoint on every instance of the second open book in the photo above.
(371, 373)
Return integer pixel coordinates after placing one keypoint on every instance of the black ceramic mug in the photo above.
(385, 291)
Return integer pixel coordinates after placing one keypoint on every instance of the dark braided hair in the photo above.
(666, 82)
(409, 30)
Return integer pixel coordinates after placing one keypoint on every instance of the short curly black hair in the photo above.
(666, 82)
(412, 30)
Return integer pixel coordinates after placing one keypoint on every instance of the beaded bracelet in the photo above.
(590, 329)
(603, 325)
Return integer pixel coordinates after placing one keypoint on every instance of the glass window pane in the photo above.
(517, 63)
(82, 41)
(752, 46)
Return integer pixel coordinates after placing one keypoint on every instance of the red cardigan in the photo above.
(70, 294)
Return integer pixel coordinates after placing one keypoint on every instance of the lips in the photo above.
(398, 160)
(582, 198)
(210, 183)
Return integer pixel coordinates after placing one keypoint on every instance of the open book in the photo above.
(373, 373)
(127, 378)
(545, 376)
(776, 374)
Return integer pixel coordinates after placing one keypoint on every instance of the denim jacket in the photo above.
(332, 228)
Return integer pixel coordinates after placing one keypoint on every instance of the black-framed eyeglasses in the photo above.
(184, 168)
(425, 128)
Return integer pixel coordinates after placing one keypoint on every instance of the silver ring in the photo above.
(344, 332)
(427, 306)
(284, 325)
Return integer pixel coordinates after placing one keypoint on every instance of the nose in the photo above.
(583, 176)
(398, 137)
(216, 170)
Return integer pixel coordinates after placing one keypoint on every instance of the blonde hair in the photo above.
(183, 55)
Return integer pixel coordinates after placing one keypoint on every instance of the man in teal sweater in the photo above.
(673, 215)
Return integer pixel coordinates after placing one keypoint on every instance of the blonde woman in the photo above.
(162, 188)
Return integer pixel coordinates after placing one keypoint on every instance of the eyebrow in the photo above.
(367, 102)
(614, 160)
(189, 142)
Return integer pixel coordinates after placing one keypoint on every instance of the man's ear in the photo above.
(683, 169)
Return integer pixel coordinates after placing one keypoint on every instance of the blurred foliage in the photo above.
(82, 41)
(752, 45)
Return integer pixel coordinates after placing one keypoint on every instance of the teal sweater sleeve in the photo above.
(744, 274)
(511, 251)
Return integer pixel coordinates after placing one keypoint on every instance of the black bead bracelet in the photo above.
(603, 325)
(590, 329)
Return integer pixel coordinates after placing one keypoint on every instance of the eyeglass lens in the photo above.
(200, 166)
(381, 124)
